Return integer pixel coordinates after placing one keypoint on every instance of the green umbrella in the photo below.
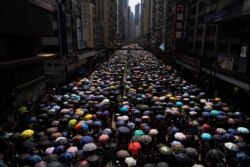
(138, 133)
(22, 109)
(214, 113)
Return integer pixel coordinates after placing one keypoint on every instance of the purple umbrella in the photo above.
(86, 139)
(123, 130)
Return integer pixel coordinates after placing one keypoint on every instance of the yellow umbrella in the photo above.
(217, 99)
(172, 98)
(27, 133)
(72, 122)
(88, 117)
(169, 95)
(79, 111)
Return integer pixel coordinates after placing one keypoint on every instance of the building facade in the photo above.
(146, 19)
(122, 20)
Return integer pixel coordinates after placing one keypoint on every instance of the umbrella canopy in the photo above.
(206, 136)
(162, 164)
(27, 133)
(180, 136)
(51, 158)
(123, 130)
(122, 154)
(191, 152)
(130, 161)
(86, 139)
(138, 133)
(66, 157)
(178, 148)
(120, 123)
(89, 147)
(206, 127)
(215, 155)
(145, 139)
(41, 164)
(88, 117)
(243, 130)
(103, 138)
(182, 159)
(92, 158)
(34, 159)
(134, 147)
(72, 122)
(165, 150)
(153, 132)
(231, 146)
(107, 131)
(72, 149)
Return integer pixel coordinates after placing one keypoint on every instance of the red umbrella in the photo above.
(134, 147)
(103, 138)
(206, 127)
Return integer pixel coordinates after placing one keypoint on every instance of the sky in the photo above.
(132, 4)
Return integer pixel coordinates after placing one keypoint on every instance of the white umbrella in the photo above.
(232, 146)
(153, 132)
(165, 150)
(130, 161)
(180, 136)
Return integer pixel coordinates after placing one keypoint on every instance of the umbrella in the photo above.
(134, 147)
(214, 113)
(149, 165)
(178, 148)
(182, 159)
(215, 155)
(55, 164)
(89, 147)
(218, 137)
(153, 132)
(206, 127)
(59, 150)
(120, 123)
(62, 141)
(44, 143)
(92, 158)
(130, 161)
(138, 133)
(233, 131)
(228, 137)
(66, 157)
(124, 118)
(162, 164)
(27, 133)
(56, 135)
(220, 131)
(173, 130)
(51, 158)
(88, 117)
(243, 130)
(180, 136)
(160, 117)
(231, 146)
(191, 152)
(72, 149)
(107, 131)
(83, 164)
(49, 150)
(52, 130)
(97, 123)
(103, 138)
(165, 150)
(34, 159)
(124, 109)
(55, 123)
(22, 109)
(41, 164)
(206, 136)
(122, 154)
(72, 122)
(136, 138)
(131, 125)
(123, 130)
(145, 139)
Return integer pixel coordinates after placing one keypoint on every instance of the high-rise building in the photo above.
(145, 18)
(132, 26)
(157, 21)
(122, 20)
(137, 13)
(211, 37)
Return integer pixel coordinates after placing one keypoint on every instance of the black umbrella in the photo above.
(55, 164)
(162, 164)
(29, 145)
(51, 158)
(214, 156)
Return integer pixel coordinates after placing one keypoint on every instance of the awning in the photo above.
(162, 46)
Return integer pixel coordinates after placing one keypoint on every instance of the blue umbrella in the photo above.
(206, 136)
(147, 113)
(56, 107)
(85, 126)
(34, 159)
(123, 130)
(221, 117)
(66, 157)
(97, 123)
(86, 139)
(218, 138)
(124, 109)
(214, 113)
(173, 130)
(237, 114)
(233, 131)
(107, 131)
(131, 125)
(169, 104)
(179, 104)
(120, 123)
(160, 117)
(137, 112)
(228, 137)
(106, 113)
(59, 150)
(205, 114)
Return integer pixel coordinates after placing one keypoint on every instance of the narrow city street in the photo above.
(131, 111)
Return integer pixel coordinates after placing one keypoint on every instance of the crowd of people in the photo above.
(131, 111)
